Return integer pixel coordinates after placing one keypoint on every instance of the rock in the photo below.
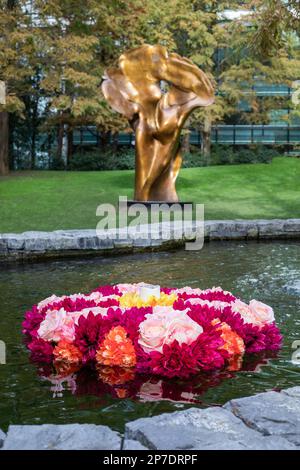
(292, 392)
(125, 243)
(292, 226)
(166, 234)
(14, 241)
(2, 437)
(3, 245)
(62, 437)
(271, 228)
(271, 413)
(142, 242)
(130, 444)
(197, 429)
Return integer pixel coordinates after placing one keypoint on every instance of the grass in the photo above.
(52, 200)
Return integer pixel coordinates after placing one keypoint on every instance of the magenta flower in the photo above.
(41, 351)
(174, 361)
(88, 334)
(33, 319)
(107, 290)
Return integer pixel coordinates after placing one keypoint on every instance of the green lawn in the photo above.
(51, 200)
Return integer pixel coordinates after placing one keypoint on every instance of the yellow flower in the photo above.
(132, 299)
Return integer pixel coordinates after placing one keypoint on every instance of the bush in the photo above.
(56, 164)
(96, 159)
(192, 159)
(224, 155)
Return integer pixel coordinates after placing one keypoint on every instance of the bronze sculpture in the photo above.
(135, 89)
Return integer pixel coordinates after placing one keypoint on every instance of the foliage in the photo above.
(53, 55)
(229, 155)
(96, 159)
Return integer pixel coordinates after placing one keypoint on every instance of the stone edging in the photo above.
(267, 421)
(63, 243)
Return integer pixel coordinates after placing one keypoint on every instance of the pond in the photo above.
(29, 395)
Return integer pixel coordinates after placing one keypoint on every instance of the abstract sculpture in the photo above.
(156, 91)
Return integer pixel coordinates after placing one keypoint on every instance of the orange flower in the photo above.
(121, 392)
(67, 352)
(116, 349)
(63, 369)
(234, 344)
(115, 375)
(235, 363)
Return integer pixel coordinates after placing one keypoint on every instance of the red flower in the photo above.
(88, 334)
(174, 361)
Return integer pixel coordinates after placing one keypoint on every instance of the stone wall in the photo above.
(64, 243)
(267, 421)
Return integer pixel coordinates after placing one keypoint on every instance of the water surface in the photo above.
(250, 270)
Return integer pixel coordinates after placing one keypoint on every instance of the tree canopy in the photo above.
(53, 55)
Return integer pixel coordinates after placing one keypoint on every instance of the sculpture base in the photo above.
(158, 205)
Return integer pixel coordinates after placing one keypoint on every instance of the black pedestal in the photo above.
(159, 205)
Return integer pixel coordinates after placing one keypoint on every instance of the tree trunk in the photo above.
(60, 138)
(105, 139)
(4, 139)
(206, 140)
(70, 145)
(185, 147)
(34, 126)
(115, 142)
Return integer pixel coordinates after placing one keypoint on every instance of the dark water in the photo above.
(250, 270)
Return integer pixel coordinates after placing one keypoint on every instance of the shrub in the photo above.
(95, 159)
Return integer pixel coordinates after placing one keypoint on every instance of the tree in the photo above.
(223, 38)
(81, 40)
(19, 63)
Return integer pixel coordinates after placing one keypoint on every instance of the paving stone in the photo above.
(270, 413)
(62, 437)
(198, 429)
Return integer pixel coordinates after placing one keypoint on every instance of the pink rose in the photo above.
(217, 304)
(256, 313)
(187, 290)
(126, 288)
(244, 310)
(166, 325)
(263, 313)
(95, 311)
(57, 325)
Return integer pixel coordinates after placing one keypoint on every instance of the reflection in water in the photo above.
(126, 383)
(250, 270)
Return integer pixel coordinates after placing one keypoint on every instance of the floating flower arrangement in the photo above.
(165, 332)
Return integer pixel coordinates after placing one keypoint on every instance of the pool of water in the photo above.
(29, 395)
